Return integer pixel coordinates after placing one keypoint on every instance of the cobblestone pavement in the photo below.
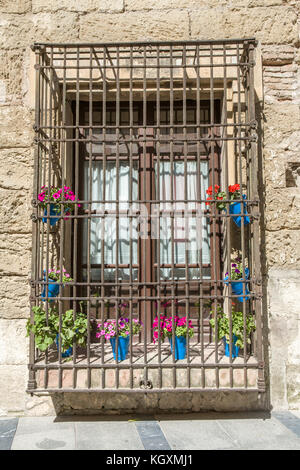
(206, 431)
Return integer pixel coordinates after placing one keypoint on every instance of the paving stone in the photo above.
(195, 434)
(107, 435)
(44, 433)
(152, 436)
(7, 431)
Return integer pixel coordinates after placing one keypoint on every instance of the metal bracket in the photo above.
(146, 384)
(34, 218)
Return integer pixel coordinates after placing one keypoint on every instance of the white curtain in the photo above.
(108, 230)
(190, 233)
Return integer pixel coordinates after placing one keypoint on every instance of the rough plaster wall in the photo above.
(275, 23)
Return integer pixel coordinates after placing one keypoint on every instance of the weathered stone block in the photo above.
(13, 342)
(15, 255)
(16, 6)
(15, 127)
(16, 168)
(136, 5)
(272, 25)
(14, 297)
(282, 209)
(15, 211)
(133, 26)
(21, 32)
(40, 406)
(78, 6)
(281, 120)
(11, 76)
(12, 389)
(283, 248)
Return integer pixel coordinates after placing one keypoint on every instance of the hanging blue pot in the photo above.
(180, 347)
(68, 352)
(237, 287)
(123, 347)
(235, 349)
(53, 289)
(236, 208)
(53, 211)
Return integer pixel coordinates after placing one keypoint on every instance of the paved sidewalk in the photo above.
(209, 431)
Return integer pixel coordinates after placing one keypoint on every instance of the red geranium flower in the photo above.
(233, 188)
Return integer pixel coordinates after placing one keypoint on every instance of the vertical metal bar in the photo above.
(130, 209)
(146, 310)
(62, 207)
(49, 179)
(228, 235)
(199, 212)
(90, 197)
(256, 275)
(240, 181)
(103, 221)
(35, 226)
(172, 208)
(214, 208)
(158, 207)
(117, 207)
(75, 227)
(186, 216)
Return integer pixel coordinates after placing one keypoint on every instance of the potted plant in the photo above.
(234, 207)
(237, 274)
(53, 282)
(237, 329)
(110, 330)
(180, 329)
(55, 197)
(47, 332)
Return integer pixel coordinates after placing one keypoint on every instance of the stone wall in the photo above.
(275, 23)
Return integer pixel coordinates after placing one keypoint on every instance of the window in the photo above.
(140, 133)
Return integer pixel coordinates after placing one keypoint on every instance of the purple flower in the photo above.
(237, 271)
(233, 265)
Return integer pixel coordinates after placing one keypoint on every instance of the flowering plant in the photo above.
(111, 329)
(54, 274)
(56, 196)
(216, 194)
(237, 320)
(46, 327)
(166, 327)
(236, 269)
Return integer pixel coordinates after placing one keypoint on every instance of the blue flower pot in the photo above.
(68, 352)
(180, 347)
(53, 289)
(237, 287)
(236, 208)
(52, 220)
(235, 349)
(123, 347)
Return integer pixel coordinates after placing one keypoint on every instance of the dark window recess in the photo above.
(139, 132)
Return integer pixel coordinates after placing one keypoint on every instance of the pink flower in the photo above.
(41, 197)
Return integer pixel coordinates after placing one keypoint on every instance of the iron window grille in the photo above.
(168, 116)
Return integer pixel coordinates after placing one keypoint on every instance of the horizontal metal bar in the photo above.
(143, 43)
(37, 391)
(141, 365)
